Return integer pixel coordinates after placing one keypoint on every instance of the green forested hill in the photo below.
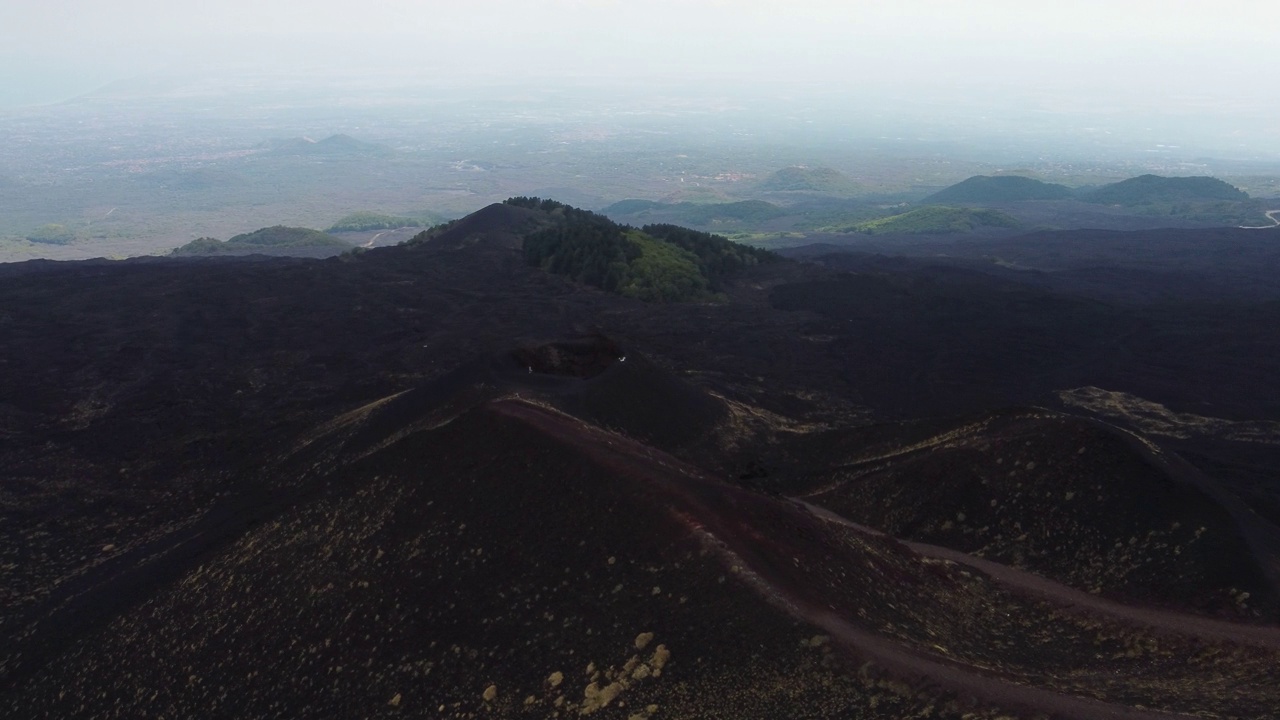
(657, 263)
(811, 179)
(270, 240)
(1154, 189)
(999, 188)
(936, 220)
(52, 234)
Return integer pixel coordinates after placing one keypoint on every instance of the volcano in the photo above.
(440, 480)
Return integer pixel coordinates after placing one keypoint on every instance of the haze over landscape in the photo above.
(703, 359)
(1149, 57)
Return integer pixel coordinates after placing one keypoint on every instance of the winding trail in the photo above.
(1068, 597)
(703, 499)
(1271, 215)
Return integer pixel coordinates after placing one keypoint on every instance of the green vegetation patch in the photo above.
(281, 236)
(631, 206)
(201, 246)
(1206, 200)
(746, 211)
(1154, 190)
(592, 250)
(936, 220)
(52, 234)
(271, 238)
(366, 220)
(1000, 188)
(663, 272)
(658, 263)
(1223, 212)
(718, 258)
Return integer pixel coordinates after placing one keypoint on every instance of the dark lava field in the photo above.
(1033, 477)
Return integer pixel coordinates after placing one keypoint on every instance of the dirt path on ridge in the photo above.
(1175, 622)
(668, 473)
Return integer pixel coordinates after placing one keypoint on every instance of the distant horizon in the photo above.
(142, 125)
(955, 116)
(1184, 75)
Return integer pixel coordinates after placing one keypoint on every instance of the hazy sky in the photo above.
(1153, 40)
(1217, 56)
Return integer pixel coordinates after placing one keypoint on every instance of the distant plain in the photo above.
(141, 167)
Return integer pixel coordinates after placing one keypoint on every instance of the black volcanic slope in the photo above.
(501, 224)
(1147, 267)
(436, 481)
(391, 584)
(1004, 487)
